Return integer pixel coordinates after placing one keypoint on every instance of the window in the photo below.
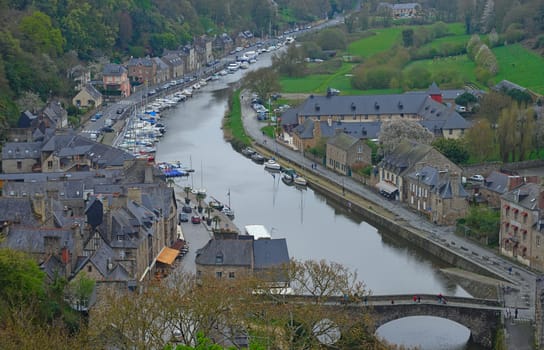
(89, 268)
(198, 273)
(538, 241)
(450, 131)
(219, 259)
(19, 164)
(219, 274)
(231, 275)
(49, 164)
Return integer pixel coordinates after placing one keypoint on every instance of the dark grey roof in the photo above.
(101, 257)
(442, 185)
(91, 90)
(508, 85)
(526, 196)
(305, 130)
(342, 141)
(21, 150)
(289, 117)
(160, 63)
(52, 267)
(404, 156)
(270, 253)
(113, 69)
(32, 239)
(434, 90)
(497, 182)
(13, 209)
(234, 252)
(452, 94)
(146, 62)
(172, 59)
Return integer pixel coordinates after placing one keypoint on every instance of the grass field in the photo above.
(460, 64)
(382, 41)
(520, 66)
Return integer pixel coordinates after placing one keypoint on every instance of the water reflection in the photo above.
(428, 333)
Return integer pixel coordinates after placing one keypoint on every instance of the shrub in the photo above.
(514, 33)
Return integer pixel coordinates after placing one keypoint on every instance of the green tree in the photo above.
(480, 140)
(408, 37)
(453, 149)
(290, 63)
(21, 280)
(41, 35)
(263, 82)
(331, 39)
(465, 99)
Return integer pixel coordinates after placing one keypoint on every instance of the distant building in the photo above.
(408, 10)
(115, 79)
(142, 71)
(88, 97)
(80, 75)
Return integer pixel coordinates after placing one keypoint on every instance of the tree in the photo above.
(465, 99)
(480, 140)
(453, 149)
(491, 105)
(80, 290)
(40, 33)
(263, 82)
(516, 133)
(290, 63)
(408, 37)
(21, 280)
(331, 39)
(393, 132)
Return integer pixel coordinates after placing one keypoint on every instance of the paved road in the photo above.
(519, 293)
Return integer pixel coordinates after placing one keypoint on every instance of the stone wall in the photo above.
(402, 229)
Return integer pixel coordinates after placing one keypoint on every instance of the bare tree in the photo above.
(393, 132)
(263, 82)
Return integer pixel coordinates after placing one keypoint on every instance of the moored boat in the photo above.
(271, 164)
(300, 181)
(257, 158)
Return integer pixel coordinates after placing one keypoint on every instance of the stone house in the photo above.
(162, 70)
(55, 115)
(406, 10)
(21, 157)
(142, 71)
(522, 231)
(190, 58)
(436, 193)
(203, 46)
(406, 158)
(115, 79)
(233, 258)
(88, 97)
(344, 150)
(176, 65)
(497, 184)
(222, 43)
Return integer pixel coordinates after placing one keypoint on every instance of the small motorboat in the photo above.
(248, 151)
(271, 164)
(300, 181)
(288, 179)
(257, 158)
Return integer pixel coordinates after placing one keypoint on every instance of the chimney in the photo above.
(38, 206)
(454, 181)
(514, 181)
(148, 175)
(135, 194)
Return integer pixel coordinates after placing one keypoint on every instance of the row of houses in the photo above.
(121, 79)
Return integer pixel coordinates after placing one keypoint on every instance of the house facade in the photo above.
(142, 71)
(88, 97)
(115, 78)
(176, 65)
(496, 184)
(521, 231)
(407, 157)
(344, 150)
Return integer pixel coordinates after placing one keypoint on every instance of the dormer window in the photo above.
(353, 107)
(219, 259)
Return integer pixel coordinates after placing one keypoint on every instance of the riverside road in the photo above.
(520, 293)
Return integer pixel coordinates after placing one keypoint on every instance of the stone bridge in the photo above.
(481, 316)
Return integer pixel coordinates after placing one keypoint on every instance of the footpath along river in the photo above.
(314, 227)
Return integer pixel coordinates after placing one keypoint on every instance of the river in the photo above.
(314, 227)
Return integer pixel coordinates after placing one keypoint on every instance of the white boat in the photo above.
(300, 181)
(203, 82)
(196, 86)
(272, 165)
(244, 65)
(187, 92)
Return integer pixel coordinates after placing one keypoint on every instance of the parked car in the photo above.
(183, 217)
(187, 209)
(195, 219)
(476, 178)
(107, 129)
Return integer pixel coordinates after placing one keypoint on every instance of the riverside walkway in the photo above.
(517, 293)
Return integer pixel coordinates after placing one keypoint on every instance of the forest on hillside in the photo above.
(41, 39)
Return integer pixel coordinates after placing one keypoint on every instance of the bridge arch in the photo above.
(483, 322)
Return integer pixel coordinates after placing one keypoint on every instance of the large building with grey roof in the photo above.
(338, 112)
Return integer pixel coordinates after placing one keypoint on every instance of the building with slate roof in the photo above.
(142, 71)
(55, 115)
(407, 157)
(344, 150)
(112, 224)
(88, 97)
(115, 78)
(522, 226)
(406, 10)
(423, 107)
(176, 64)
(497, 184)
(436, 193)
(234, 258)
(21, 157)
(162, 70)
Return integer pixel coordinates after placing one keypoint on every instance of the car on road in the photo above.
(187, 209)
(107, 129)
(476, 178)
(195, 219)
(183, 217)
